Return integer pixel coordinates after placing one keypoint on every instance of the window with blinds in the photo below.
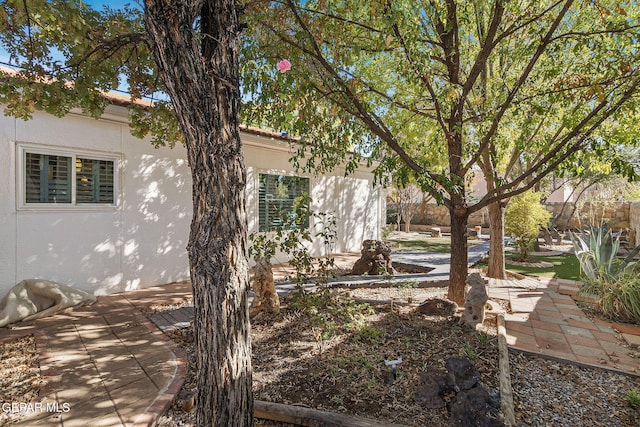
(277, 195)
(70, 179)
(48, 178)
(94, 181)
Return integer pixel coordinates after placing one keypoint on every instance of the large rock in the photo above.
(470, 408)
(438, 307)
(462, 374)
(459, 388)
(474, 301)
(375, 259)
(433, 385)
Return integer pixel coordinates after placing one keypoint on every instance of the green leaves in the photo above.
(523, 218)
(423, 87)
(597, 251)
(67, 55)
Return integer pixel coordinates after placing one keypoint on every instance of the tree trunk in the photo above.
(459, 255)
(199, 67)
(407, 224)
(496, 268)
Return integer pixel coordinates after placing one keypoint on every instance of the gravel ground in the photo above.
(551, 393)
(20, 378)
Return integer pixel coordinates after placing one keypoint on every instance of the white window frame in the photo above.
(73, 153)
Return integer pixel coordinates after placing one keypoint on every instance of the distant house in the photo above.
(562, 193)
(85, 203)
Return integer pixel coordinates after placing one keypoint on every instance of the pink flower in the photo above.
(283, 66)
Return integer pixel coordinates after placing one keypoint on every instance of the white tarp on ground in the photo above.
(35, 298)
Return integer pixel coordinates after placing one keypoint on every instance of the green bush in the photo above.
(618, 297)
(522, 221)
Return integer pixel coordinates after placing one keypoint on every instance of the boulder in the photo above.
(438, 307)
(430, 392)
(470, 408)
(462, 374)
(375, 259)
(474, 301)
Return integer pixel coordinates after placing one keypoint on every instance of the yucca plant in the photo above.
(615, 281)
(596, 251)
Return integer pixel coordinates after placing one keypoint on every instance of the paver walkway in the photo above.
(545, 319)
(105, 364)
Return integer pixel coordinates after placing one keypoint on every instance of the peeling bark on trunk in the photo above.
(496, 268)
(200, 70)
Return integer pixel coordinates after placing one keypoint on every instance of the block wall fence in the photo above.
(623, 216)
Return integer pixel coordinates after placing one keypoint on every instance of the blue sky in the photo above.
(96, 4)
(114, 4)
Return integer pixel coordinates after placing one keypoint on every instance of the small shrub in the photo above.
(618, 297)
(632, 397)
(523, 218)
(293, 237)
(368, 333)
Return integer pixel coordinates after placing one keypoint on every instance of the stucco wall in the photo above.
(142, 241)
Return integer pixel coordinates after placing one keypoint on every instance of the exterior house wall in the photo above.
(141, 241)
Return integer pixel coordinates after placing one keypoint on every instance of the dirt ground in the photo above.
(328, 353)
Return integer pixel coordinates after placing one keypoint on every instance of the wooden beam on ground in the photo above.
(308, 417)
(506, 392)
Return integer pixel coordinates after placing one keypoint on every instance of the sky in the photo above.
(114, 4)
(95, 4)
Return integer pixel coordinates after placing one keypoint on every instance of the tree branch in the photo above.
(523, 77)
(550, 162)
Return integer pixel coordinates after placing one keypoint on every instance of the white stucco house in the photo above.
(85, 203)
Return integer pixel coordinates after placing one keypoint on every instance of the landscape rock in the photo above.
(474, 301)
(470, 408)
(430, 392)
(375, 259)
(265, 297)
(462, 374)
(438, 307)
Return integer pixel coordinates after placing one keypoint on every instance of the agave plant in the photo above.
(596, 251)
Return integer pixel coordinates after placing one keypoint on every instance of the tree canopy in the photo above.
(432, 88)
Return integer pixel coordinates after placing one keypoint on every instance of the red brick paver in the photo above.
(106, 364)
(548, 321)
